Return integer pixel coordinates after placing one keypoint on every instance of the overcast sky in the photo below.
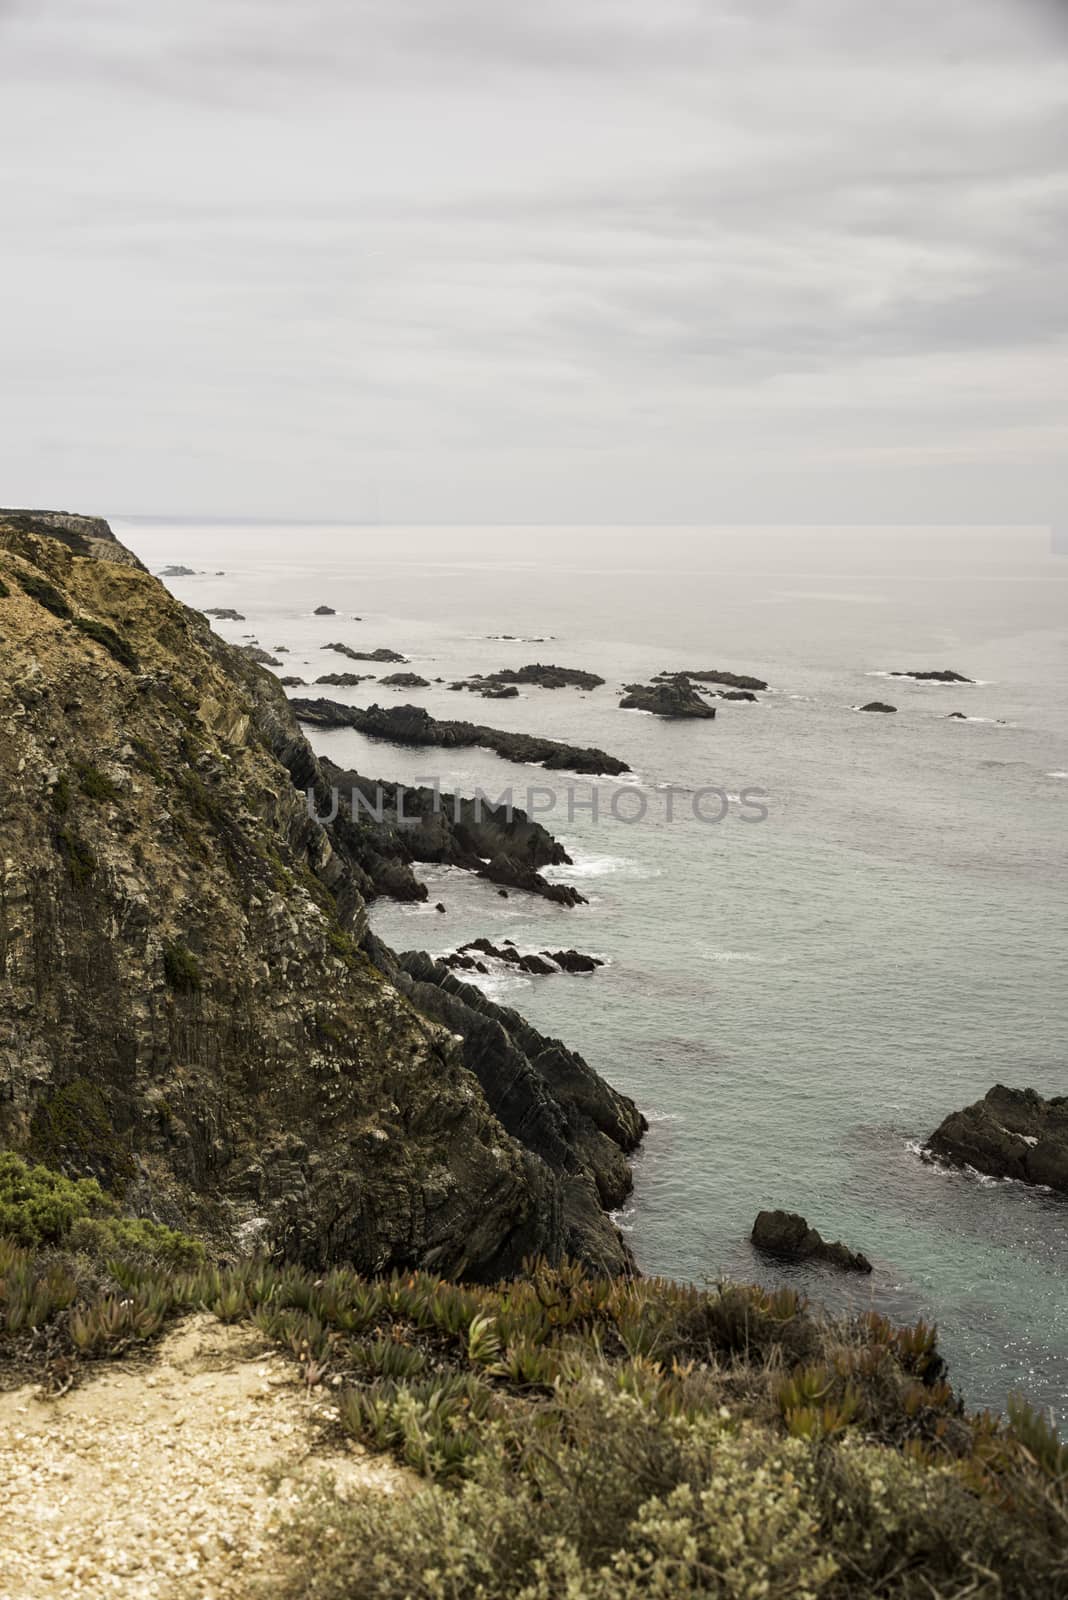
(567, 260)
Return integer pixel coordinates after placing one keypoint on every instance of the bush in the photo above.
(181, 969)
(96, 785)
(39, 1206)
(116, 646)
(45, 593)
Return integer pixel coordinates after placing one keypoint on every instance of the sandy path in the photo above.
(166, 1482)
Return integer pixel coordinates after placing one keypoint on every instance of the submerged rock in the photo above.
(734, 680)
(877, 705)
(1010, 1133)
(944, 676)
(413, 725)
(324, 611)
(671, 697)
(787, 1234)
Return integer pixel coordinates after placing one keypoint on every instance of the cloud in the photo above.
(527, 263)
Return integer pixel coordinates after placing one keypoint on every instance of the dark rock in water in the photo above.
(671, 697)
(503, 893)
(945, 676)
(957, 716)
(393, 825)
(877, 705)
(381, 654)
(497, 691)
(1010, 1133)
(225, 614)
(324, 611)
(787, 1234)
(736, 694)
(177, 572)
(439, 906)
(293, 683)
(546, 677)
(263, 657)
(405, 680)
(345, 680)
(189, 1008)
(734, 680)
(413, 725)
(573, 960)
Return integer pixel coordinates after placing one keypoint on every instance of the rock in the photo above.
(1010, 1133)
(263, 657)
(786, 1234)
(877, 705)
(671, 697)
(381, 654)
(546, 677)
(944, 676)
(324, 611)
(957, 716)
(224, 614)
(734, 680)
(503, 893)
(439, 907)
(736, 694)
(293, 683)
(573, 960)
(491, 841)
(413, 725)
(405, 680)
(177, 572)
(192, 1008)
(345, 680)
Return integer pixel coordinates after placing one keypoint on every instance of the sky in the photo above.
(575, 261)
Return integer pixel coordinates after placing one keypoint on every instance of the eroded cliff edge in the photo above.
(191, 1008)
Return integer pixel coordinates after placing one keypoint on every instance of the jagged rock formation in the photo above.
(405, 680)
(670, 697)
(186, 1010)
(413, 725)
(1010, 1133)
(383, 653)
(546, 677)
(344, 680)
(226, 614)
(385, 827)
(540, 965)
(85, 536)
(878, 705)
(733, 680)
(788, 1235)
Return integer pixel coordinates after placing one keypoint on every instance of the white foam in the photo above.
(1057, 774)
(747, 957)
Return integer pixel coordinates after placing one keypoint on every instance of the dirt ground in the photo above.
(168, 1480)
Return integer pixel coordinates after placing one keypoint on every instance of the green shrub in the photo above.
(45, 593)
(61, 795)
(77, 855)
(39, 1206)
(94, 784)
(73, 1130)
(116, 646)
(4, 590)
(181, 969)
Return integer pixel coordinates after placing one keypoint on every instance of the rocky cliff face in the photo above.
(188, 1008)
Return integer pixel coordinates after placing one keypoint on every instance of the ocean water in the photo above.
(796, 1002)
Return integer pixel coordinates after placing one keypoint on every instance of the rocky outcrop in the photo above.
(877, 705)
(413, 725)
(1010, 1133)
(540, 965)
(670, 697)
(545, 677)
(186, 1009)
(786, 1234)
(345, 680)
(324, 611)
(83, 536)
(262, 657)
(545, 1095)
(381, 654)
(405, 680)
(225, 614)
(944, 676)
(383, 828)
(733, 680)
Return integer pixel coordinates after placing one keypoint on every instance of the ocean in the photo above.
(795, 1002)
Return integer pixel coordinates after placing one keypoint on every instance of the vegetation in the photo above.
(78, 855)
(94, 784)
(5, 592)
(599, 1439)
(73, 1131)
(45, 593)
(116, 646)
(181, 969)
(40, 1207)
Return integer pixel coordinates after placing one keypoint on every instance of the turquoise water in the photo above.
(795, 1003)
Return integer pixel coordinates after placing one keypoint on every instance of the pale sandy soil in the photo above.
(168, 1481)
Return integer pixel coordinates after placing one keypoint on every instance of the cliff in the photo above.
(190, 1008)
